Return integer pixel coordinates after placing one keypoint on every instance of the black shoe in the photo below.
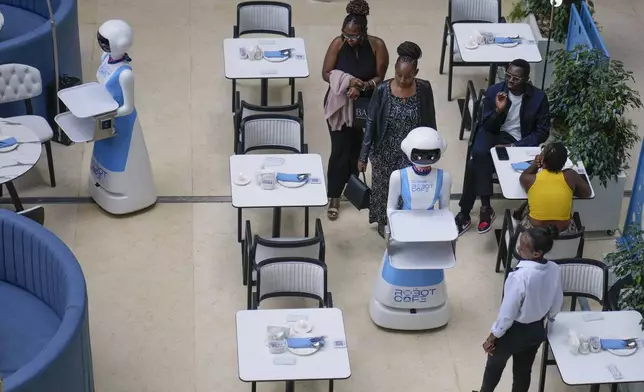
(486, 217)
(463, 223)
(381, 230)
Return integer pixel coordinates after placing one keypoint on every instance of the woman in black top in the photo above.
(398, 105)
(365, 57)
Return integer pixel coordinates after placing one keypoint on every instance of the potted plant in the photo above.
(537, 14)
(627, 263)
(589, 98)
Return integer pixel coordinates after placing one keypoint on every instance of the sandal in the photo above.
(334, 209)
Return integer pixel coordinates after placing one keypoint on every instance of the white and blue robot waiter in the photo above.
(410, 293)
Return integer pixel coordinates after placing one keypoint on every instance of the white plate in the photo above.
(471, 46)
(276, 59)
(241, 181)
(10, 148)
(302, 327)
(288, 184)
(509, 45)
(302, 351)
(623, 352)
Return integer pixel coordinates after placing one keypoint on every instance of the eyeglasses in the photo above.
(351, 37)
(512, 78)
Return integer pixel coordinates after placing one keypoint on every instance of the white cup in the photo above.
(254, 52)
(266, 179)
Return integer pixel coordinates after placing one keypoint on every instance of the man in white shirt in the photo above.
(515, 113)
(531, 293)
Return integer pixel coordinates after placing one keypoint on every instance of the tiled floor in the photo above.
(164, 285)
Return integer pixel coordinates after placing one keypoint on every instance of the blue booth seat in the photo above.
(44, 323)
(26, 38)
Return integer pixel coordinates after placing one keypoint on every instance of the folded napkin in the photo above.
(504, 40)
(277, 54)
(286, 177)
(8, 142)
(304, 342)
(613, 344)
(521, 166)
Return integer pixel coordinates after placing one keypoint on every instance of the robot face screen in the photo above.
(425, 157)
(103, 42)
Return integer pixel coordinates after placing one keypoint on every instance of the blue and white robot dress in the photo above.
(121, 176)
(397, 290)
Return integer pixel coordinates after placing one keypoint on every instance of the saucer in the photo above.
(471, 45)
(241, 181)
(302, 327)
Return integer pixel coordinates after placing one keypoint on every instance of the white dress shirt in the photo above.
(531, 292)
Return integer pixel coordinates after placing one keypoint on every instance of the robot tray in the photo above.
(421, 255)
(422, 226)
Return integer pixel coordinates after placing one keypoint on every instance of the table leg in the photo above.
(264, 93)
(14, 196)
(277, 221)
(290, 386)
(491, 77)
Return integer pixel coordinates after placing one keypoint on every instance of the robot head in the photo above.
(423, 146)
(115, 37)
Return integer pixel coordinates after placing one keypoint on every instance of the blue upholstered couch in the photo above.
(26, 39)
(44, 327)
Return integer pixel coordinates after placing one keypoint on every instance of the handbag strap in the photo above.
(364, 178)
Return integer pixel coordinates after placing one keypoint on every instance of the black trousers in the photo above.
(479, 169)
(521, 342)
(345, 151)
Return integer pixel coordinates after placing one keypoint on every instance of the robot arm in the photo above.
(394, 192)
(126, 80)
(446, 192)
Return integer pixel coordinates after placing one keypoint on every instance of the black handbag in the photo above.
(358, 192)
(360, 110)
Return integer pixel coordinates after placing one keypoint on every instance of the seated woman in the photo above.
(551, 189)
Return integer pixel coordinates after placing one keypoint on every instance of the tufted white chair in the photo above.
(20, 82)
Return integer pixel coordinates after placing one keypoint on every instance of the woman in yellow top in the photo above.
(551, 189)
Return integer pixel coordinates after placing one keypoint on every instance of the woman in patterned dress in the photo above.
(397, 106)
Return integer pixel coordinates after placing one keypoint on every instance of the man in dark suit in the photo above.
(515, 114)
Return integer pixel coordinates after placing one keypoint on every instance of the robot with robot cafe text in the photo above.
(409, 292)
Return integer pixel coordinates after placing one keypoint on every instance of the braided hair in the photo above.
(357, 11)
(409, 52)
(555, 156)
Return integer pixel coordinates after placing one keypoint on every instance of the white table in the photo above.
(493, 53)
(256, 364)
(509, 178)
(591, 368)
(237, 68)
(253, 196)
(19, 161)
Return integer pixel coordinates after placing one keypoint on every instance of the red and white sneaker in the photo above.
(486, 218)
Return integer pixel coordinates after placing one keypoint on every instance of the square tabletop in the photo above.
(592, 368)
(257, 364)
(238, 68)
(509, 178)
(253, 196)
(493, 53)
